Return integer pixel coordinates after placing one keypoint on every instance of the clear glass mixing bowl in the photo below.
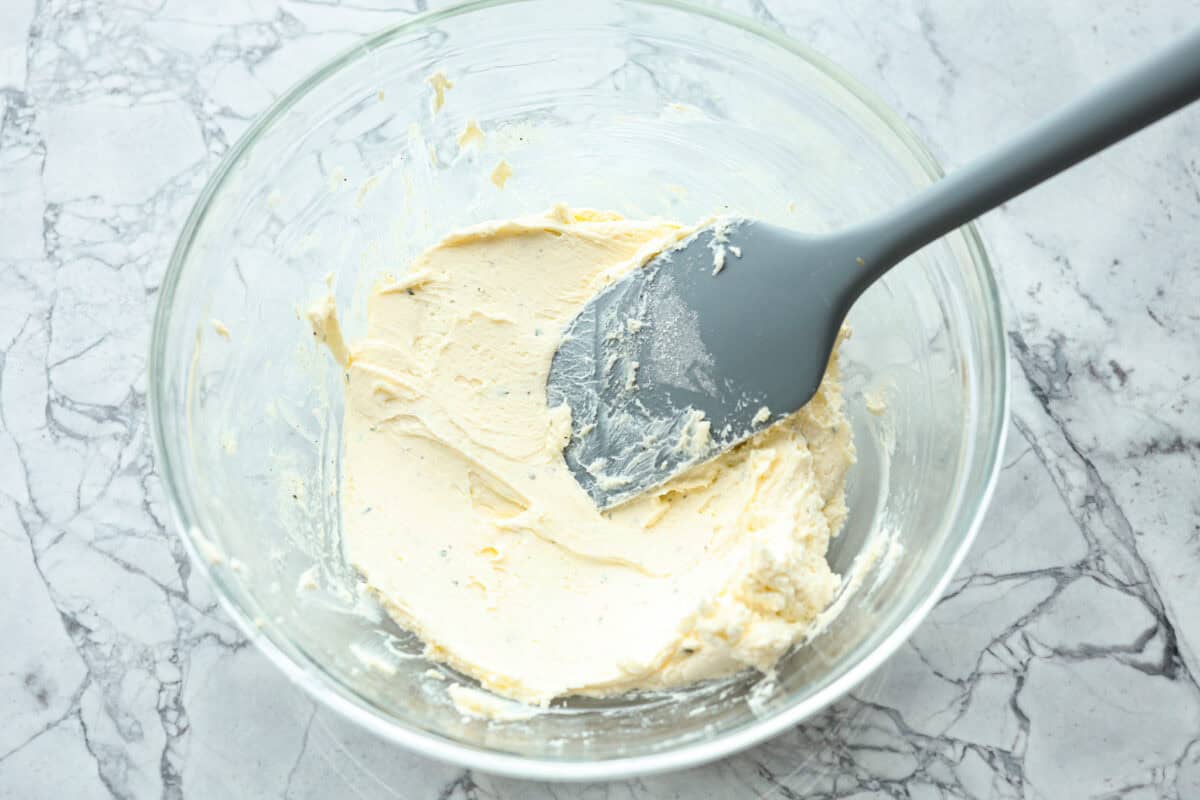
(646, 108)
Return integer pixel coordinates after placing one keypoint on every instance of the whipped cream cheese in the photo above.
(464, 520)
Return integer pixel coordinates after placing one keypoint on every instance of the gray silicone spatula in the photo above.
(744, 315)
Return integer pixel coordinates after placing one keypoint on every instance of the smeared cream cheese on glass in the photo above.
(462, 516)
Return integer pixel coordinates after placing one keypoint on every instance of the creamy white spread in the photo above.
(472, 134)
(501, 174)
(441, 84)
(462, 516)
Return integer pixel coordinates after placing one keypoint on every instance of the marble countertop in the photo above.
(1062, 662)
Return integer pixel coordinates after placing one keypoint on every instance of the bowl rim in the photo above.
(322, 688)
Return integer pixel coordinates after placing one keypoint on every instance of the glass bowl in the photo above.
(646, 108)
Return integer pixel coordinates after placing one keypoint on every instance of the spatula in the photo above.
(732, 330)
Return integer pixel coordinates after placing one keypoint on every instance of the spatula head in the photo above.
(680, 360)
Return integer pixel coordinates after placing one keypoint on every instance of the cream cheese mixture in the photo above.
(462, 516)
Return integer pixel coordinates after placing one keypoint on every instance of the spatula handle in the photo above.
(1109, 113)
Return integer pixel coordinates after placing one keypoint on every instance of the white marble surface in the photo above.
(1062, 663)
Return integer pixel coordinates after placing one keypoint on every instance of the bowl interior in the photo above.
(643, 109)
